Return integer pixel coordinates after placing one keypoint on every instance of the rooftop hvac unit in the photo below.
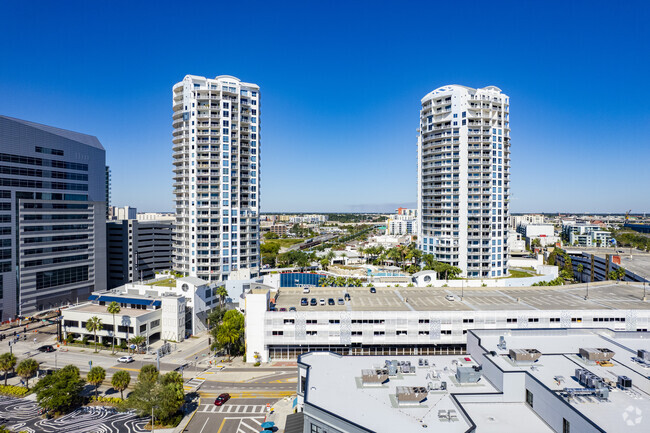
(502, 343)
(596, 354)
(644, 355)
(520, 355)
(468, 374)
(375, 376)
(411, 394)
(624, 382)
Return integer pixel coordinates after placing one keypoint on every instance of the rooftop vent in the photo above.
(519, 355)
(411, 394)
(596, 354)
(375, 376)
(643, 355)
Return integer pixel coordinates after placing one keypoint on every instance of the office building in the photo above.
(544, 233)
(560, 380)
(426, 320)
(53, 218)
(216, 177)
(464, 178)
(137, 250)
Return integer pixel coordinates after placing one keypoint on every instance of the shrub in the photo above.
(257, 364)
(111, 400)
(14, 391)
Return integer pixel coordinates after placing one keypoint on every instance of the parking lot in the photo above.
(237, 415)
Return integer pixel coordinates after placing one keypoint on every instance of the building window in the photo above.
(154, 324)
(288, 321)
(529, 398)
(566, 426)
(278, 332)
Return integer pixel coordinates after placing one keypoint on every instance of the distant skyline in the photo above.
(340, 85)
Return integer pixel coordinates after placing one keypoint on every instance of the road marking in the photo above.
(206, 423)
(124, 368)
(221, 426)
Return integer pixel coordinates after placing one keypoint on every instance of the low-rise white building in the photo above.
(169, 308)
(426, 320)
(155, 318)
(586, 235)
(507, 381)
(545, 233)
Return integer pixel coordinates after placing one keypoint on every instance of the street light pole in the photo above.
(151, 418)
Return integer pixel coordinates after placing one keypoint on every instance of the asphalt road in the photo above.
(237, 415)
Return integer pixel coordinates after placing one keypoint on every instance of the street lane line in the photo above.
(221, 426)
(206, 423)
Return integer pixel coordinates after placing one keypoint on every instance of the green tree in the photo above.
(26, 369)
(7, 363)
(148, 373)
(216, 316)
(271, 235)
(93, 325)
(580, 270)
(96, 377)
(137, 340)
(222, 292)
(162, 394)
(120, 381)
(61, 391)
(113, 308)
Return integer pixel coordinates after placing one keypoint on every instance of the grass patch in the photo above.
(283, 243)
(515, 273)
(169, 282)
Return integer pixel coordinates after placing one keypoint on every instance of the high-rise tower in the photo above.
(52, 217)
(464, 178)
(216, 177)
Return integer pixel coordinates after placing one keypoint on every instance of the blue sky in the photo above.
(341, 84)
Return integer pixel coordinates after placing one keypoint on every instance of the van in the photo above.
(305, 290)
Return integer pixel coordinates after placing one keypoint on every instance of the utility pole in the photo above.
(151, 418)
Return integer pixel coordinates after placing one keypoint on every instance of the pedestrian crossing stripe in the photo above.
(233, 409)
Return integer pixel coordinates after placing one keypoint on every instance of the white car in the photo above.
(125, 359)
(450, 297)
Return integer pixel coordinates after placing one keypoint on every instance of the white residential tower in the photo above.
(216, 177)
(464, 178)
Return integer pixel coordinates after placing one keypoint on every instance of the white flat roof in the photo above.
(334, 385)
(560, 358)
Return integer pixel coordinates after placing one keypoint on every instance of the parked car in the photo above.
(347, 296)
(450, 297)
(125, 359)
(330, 301)
(313, 302)
(305, 290)
(283, 309)
(341, 301)
(219, 401)
(322, 301)
(373, 290)
(303, 302)
(294, 308)
(47, 348)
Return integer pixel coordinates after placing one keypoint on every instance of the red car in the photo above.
(222, 399)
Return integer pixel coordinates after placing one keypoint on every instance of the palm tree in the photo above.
(26, 369)
(580, 269)
(113, 308)
(228, 334)
(137, 340)
(120, 381)
(222, 292)
(96, 376)
(93, 325)
(7, 363)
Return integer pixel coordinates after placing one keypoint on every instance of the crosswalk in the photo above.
(250, 425)
(233, 409)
